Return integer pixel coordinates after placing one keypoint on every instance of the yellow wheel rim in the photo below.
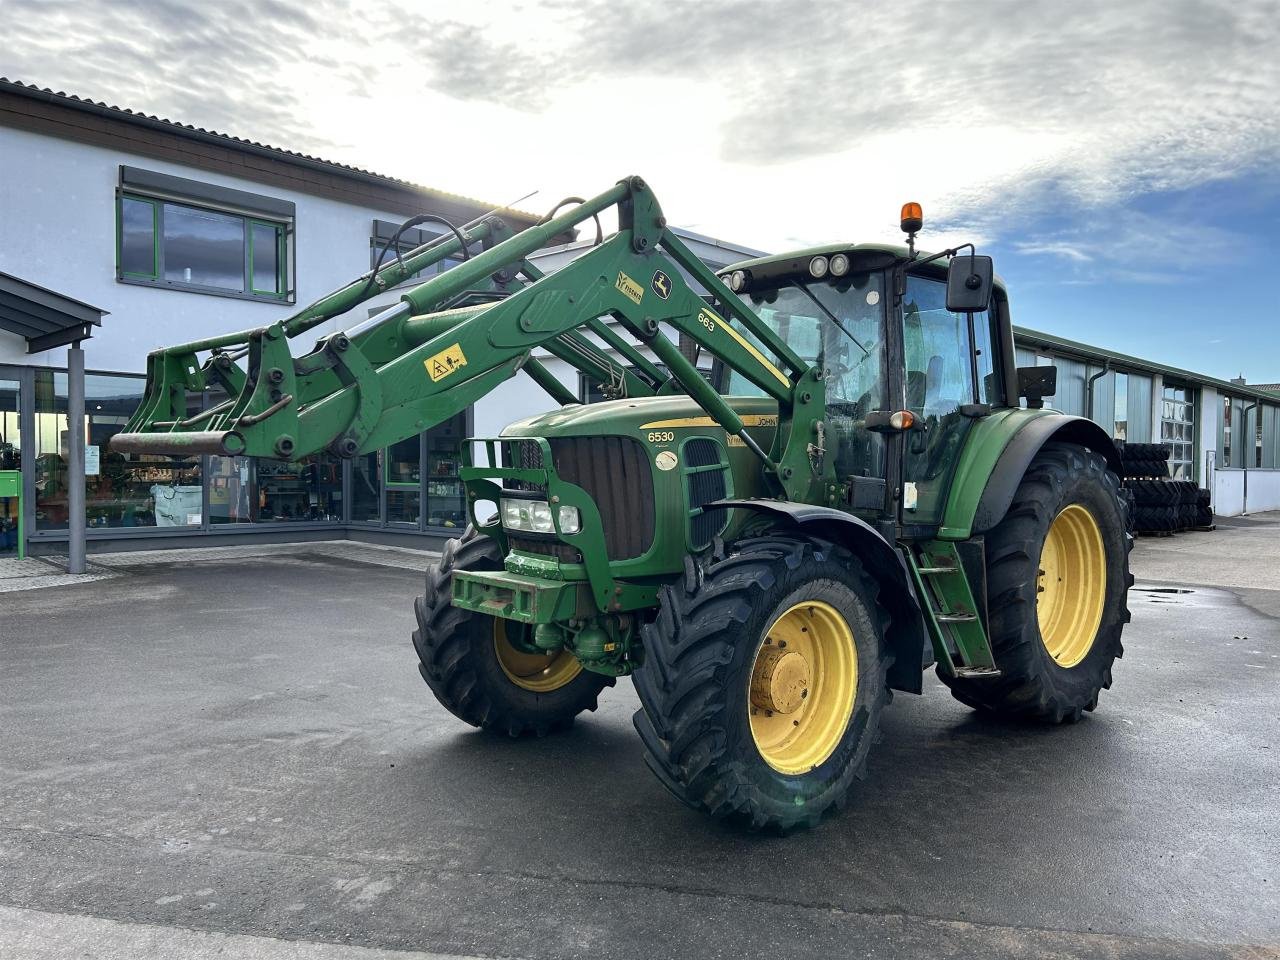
(538, 672)
(1071, 585)
(803, 683)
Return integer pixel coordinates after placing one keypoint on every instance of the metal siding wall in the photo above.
(1025, 357)
(1241, 434)
(1139, 408)
(1070, 395)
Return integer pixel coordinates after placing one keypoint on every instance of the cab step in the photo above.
(959, 640)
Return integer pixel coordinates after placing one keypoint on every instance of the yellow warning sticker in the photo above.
(448, 361)
(629, 288)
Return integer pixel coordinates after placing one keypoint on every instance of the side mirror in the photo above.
(969, 282)
(1036, 383)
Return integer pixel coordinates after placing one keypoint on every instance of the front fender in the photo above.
(906, 635)
(996, 456)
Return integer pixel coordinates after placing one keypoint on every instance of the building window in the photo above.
(186, 247)
(446, 500)
(121, 490)
(249, 490)
(414, 482)
(404, 481)
(1177, 431)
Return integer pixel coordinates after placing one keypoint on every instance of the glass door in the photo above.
(939, 382)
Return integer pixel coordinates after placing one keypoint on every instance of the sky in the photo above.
(1119, 159)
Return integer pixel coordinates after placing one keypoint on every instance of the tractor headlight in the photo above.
(531, 516)
(570, 520)
(839, 265)
(818, 267)
(737, 280)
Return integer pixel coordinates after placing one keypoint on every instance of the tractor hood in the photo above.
(640, 415)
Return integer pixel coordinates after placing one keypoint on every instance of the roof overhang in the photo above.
(45, 319)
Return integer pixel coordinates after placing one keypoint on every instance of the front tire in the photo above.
(763, 682)
(470, 664)
(1057, 584)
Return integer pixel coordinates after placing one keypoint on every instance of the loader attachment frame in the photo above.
(456, 336)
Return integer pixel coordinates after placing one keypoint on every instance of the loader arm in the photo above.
(426, 359)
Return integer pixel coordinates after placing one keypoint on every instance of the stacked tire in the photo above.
(1144, 461)
(1157, 504)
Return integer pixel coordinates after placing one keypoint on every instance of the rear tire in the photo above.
(712, 657)
(474, 671)
(1071, 486)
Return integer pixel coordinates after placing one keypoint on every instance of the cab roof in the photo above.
(864, 256)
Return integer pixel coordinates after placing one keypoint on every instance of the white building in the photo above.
(180, 233)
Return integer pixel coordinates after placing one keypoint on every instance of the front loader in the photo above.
(813, 480)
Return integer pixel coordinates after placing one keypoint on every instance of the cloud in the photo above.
(1137, 247)
(769, 122)
(1051, 249)
(216, 66)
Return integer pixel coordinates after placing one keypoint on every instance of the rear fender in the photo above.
(906, 635)
(995, 459)
(1022, 449)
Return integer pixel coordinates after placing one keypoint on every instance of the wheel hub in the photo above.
(780, 679)
(803, 685)
(535, 672)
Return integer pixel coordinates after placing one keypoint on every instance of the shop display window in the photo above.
(413, 483)
(10, 459)
(310, 489)
(121, 490)
(245, 490)
(404, 481)
(446, 501)
(366, 487)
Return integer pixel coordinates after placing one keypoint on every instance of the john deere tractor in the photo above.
(812, 479)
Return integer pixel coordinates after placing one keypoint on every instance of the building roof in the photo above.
(214, 138)
(43, 318)
(1126, 362)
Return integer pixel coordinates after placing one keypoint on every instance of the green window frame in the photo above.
(155, 238)
(279, 284)
(254, 286)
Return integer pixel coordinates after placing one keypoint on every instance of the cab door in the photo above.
(940, 391)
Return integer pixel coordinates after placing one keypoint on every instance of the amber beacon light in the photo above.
(912, 217)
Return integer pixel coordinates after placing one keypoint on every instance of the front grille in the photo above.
(615, 473)
(705, 486)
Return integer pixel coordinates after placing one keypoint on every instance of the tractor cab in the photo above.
(907, 373)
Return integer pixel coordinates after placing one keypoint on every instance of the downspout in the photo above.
(1106, 367)
(1249, 454)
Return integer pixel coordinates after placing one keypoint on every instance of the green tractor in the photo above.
(813, 479)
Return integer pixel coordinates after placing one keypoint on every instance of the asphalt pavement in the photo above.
(237, 757)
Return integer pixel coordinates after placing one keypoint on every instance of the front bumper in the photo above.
(526, 599)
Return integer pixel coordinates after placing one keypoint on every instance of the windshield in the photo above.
(841, 321)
